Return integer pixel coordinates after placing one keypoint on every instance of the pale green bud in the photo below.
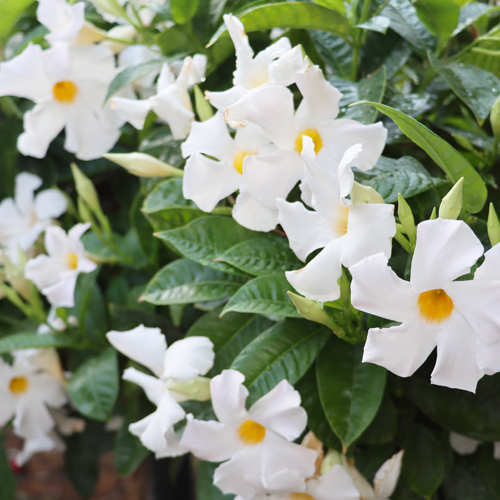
(451, 206)
(111, 7)
(495, 117)
(197, 388)
(203, 107)
(463, 142)
(406, 218)
(364, 194)
(311, 310)
(332, 458)
(144, 165)
(493, 226)
(86, 190)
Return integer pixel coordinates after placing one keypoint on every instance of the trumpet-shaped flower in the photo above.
(254, 444)
(68, 86)
(209, 180)
(348, 232)
(25, 216)
(55, 274)
(176, 378)
(64, 21)
(171, 103)
(434, 310)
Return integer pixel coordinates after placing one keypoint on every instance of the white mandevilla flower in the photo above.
(68, 86)
(26, 393)
(464, 445)
(434, 310)
(254, 444)
(25, 216)
(348, 232)
(64, 21)
(171, 103)
(177, 378)
(275, 65)
(55, 274)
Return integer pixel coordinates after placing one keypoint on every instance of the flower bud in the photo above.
(495, 118)
(144, 165)
(197, 388)
(406, 218)
(364, 194)
(86, 190)
(311, 310)
(493, 226)
(451, 206)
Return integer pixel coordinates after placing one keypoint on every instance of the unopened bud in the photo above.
(451, 206)
(364, 194)
(203, 107)
(85, 189)
(311, 310)
(406, 218)
(144, 165)
(493, 226)
(111, 7)
(197, 389)
(495, 118)
(332, 458)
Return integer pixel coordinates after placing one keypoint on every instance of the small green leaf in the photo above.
(350, 391)
(129, 452)
(185, 282)
(93, 388)
(264, 295)
(183, 10)
(10, 12)
(424, 461)
(35, 340)
(439, 16)
(405, 175)
(285, 351)
(447, 157)
(469, 14)
(8, 480)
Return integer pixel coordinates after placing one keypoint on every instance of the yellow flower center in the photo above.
(314, 135)
(72, 260)
(300, 496)
(19, 385)
(251, 432)
(65, 91)
(435, 305)
(238, 160)
(341, 220)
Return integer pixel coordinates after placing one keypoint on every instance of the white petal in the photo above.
(386, 478)
(335, 484)
(210, 440)
(189, 357)
(26, 184)
(279, 410)
(488, 357)
(496, 450)
(63, 20)
(42, 270)
(133, 111)
(192, 71)
(254, 215)
(152, 386)
(166, 78)
(78, 230)
(62, 292)
(50, 204)
(344, 171)
(145, 345)
(228, 398)
(206, 181)
(32, 446)
(462, 444)
(250, 139)
(32, 418)
(48, 389)
(445, 250)
(401, 349)
(456, 364)
(277, 49)
(282, 71)
(222, 100)
(306, 230)
(376, 289)
(318, 279)
(92, 63)
(490, 268)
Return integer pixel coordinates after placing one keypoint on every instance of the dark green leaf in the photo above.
(161, 144)
(383, 427)
(449, 159)
(183, 10)
(380, 24)
(490, 469)
(125, 318)
(485, 54)
(128, 451)
(31, 340)
(264, 295)
(350, 391)
(176, 41)
(469, 14)
(405, 175)
(285, 351)
(423, 462)
(439, 16)
(7, 478)
(184, 282)
(335, 51)
(93, 388)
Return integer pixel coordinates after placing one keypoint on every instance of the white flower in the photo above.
(464, 445)
(255, 442)
(176, 378)
(64, 21)
(171, 103)
(23, 218)
(214, 170)
(348, 232)
(68, 86)
(55, 274)
(26, 392)
(275, 65)
(434, 310)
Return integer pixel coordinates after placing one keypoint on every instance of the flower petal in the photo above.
(152, 386)
(254, 215)
(50, 204)
(222, 100)
(462, 444)
(133, 111)
(189, 357)
(335, 484)
(41, 270)
(228, 397)
(490, 268)
(282, 71)
(33, 445)
(488, 357)
(386, 478)
(62, 292)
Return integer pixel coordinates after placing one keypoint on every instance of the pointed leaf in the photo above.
(439, 16)
(35, 340)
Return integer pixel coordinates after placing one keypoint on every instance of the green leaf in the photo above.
(380, 24)
(205, 488)
(8, 480)
(424, 461)
(405, 175)
(129, 452)
(336, 5)
(10, 12)
(183, 10)
(264, 295)
(476, 87)
(490, 469)
(484, 54)
(161, 144)
(125, 318)
(449, 159)
(350, 391)
(133, 73)
(184, 282)
(439, 16)
(335, 51)
(35, 340)
(383, 427)
(285, 351)
(260, 256)
(296, 15)
(229, 334)
(204, 240)
(93, 388)
(469, 14)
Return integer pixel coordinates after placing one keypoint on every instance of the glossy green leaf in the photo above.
(424, 462)
(350, 391)
(183, 10)
(10, 12)
(485, 54)
(440, 17)
(296, 15)
(229, 334)
(335, 51)
(161, 144)
(129, 452)
(264, 295)
(260, 256)
(285, 351)
(476, 87)
(184, 282)
(380, 24)
(337, 5)
(35, 340)
(383, 426)
(8, 480)
(93, 388)
(125, 318)
(449, 159)
(469, 14)
(405, 175)
(204, 240)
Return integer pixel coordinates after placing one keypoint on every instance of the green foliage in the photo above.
(128, 451)
(8, 482)
(10, 11)
(439, 16)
